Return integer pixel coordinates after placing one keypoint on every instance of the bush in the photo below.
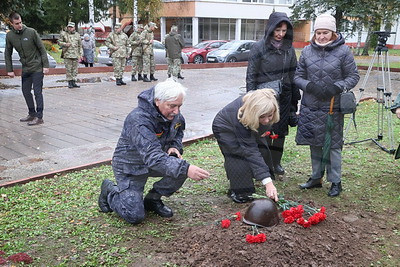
(47, 45)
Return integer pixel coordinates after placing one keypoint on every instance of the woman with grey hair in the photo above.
(236, 128)
(88, 50)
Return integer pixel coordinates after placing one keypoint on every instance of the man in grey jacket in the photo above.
(150, 145)
(35, 64)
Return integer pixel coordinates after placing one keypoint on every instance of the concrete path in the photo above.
(82, 125)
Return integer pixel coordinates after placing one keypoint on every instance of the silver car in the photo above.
(15, 57)
(231, 52)
(159, 55)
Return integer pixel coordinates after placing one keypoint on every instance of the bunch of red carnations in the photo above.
(256, 237)
(270, 135)
(296, 214)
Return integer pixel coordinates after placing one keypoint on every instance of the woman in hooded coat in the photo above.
(274, 58)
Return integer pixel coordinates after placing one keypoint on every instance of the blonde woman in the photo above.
(236, 128)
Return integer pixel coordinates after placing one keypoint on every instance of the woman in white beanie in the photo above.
(326, 67)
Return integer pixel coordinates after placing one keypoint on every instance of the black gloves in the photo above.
(315, 90)
(293, 119)
(332, 90)
(323, 93)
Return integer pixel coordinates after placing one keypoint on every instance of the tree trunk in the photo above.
(366, 44)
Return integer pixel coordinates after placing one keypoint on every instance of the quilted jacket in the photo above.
(267, 63)
(333, 64)
(145, 138)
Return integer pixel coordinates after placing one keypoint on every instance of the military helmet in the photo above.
(262, 212)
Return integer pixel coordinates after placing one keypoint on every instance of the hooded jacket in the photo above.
(27, 43)
(145, 138)
(332, 64)
(174, 44)
(268, 63)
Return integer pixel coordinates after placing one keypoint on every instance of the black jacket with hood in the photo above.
(268, 63)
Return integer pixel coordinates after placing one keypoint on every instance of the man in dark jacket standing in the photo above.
(174, 44)
(35, 63)
(150, 145)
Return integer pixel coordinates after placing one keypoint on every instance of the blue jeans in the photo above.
(33, 80)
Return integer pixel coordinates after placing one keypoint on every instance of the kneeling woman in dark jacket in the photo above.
(236, 129)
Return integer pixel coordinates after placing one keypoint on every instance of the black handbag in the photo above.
(348, 102)
(276, 85)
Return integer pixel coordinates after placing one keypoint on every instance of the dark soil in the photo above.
(340, 240)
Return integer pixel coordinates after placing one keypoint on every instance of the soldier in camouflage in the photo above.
(70, 43)
(136, 53)
(117, 42)
(149, 65)
(174, 44)
(150, 145)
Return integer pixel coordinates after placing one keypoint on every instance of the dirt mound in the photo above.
(340, 240)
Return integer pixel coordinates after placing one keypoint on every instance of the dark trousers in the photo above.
(127, 197)
(33, 80)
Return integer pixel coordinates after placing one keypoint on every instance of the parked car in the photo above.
(231, 52)
(198, 53)
(15, 57)
(159, 55)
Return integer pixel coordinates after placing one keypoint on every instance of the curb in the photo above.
(85, 166)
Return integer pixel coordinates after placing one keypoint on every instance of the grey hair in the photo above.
(169, 90)
(174, 28)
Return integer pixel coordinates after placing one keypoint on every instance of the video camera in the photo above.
(382, 37)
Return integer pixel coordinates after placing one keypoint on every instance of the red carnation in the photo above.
(289, 219)
(238, 216)
(225, 223)
(322, 209)
(249, 238)
(261, 238)
(301, 221)
(2, 261)
(20, 257)
(307, 224)
(274, 136)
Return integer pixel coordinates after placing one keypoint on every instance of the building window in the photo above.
(252, 29)
(215, 29)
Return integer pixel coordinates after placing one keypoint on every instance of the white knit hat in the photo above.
(326, 22)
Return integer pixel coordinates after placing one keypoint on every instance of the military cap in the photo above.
(152, 24)
(71, 24)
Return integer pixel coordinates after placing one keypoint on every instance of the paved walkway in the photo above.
(82, 125)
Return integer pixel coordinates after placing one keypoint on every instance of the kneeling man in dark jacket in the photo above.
(150, 145)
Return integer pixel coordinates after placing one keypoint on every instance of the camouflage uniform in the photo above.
(147, 38)
(117, 42)
(174, 44)
(71, 53)
(136, 52)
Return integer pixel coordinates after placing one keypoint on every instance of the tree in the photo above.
(371, 14)
(148, 10)
(53, 15)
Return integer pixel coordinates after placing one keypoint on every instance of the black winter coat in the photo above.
(333, 64)
(145, 139)
(267, 63)
(238, 140)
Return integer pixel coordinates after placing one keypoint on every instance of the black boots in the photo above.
(119, 82)
(70, 84)
(311, 183)
(145, 79)
(152, 202)
(75, 85)
(140, 78)
(240, 198)
(180, 76)
(106, 187)
(152, 78)
(335, 190)
(133, 79)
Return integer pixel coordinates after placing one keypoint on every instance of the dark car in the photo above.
(231, 52)
(198, 53)
(15, 57)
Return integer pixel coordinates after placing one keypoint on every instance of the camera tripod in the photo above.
(383, 97)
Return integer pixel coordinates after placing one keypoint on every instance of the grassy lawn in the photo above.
(56, 221)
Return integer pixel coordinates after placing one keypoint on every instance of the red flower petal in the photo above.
(225, 223)
(238, 216)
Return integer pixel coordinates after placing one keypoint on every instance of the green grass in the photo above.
(57, 222)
